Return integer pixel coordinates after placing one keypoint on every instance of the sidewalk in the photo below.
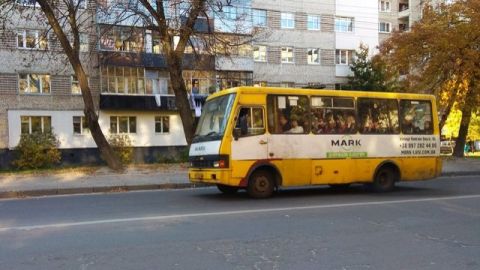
(142, 177)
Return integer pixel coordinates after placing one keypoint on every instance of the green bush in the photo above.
(37, 150)
(122, 146)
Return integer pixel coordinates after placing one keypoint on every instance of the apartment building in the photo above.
(290, 43)
(128, 77)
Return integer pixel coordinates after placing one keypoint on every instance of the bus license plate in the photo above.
(198, 175)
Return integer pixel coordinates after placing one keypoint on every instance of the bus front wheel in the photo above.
(384, 180)
(260, 184)
(227, 189)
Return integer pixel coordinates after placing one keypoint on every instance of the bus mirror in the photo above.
(236, 133)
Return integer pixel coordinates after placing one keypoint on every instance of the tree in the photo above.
(441, 56)
(176, 22)
(370, 73)
(66, 19)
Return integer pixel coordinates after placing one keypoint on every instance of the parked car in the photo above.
(446, 147)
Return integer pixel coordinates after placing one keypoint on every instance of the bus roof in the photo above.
(323, 92)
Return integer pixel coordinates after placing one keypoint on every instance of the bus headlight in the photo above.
(219, 164)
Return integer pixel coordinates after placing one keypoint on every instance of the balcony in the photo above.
(403, 10)
(144, 102)
(158, 61)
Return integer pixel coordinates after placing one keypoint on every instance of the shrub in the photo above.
(122, 146)
(37, 150)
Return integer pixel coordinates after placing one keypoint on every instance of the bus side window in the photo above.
(250, 121)
(378, 116)
(416, 116)
(333, 115)
(288, 114)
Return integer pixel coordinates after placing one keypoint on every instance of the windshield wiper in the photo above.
(211, 133)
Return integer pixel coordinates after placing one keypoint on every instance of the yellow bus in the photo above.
(263, 138)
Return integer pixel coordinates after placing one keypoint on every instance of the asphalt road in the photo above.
(421, 225)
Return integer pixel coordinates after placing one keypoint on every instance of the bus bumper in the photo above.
(208, 176)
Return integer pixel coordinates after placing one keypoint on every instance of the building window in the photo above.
(28, 3)
(344, 57)
(123, 124)
(287, 55)
(313, 22)
(32, 39)
(80, 4)
(35, 124)
(287, 20)
(122, 39)
(384, 27)
(75, 85)
(343, 24)
(313, 56)
(259, 17)
(385, 6)
(162, 124)
(260, 53)
(33, 84)
(80, 125)
(122, 80)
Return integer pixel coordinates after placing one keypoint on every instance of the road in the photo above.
(421, 225)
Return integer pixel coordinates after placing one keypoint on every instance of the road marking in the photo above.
(237, 212)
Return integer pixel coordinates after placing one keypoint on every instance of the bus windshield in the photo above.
(213, 121)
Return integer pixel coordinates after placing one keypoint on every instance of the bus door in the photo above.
(250, 142)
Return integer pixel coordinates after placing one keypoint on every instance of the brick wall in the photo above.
(300, 21)
(300, 56)
(273, 55)
(327, 23)
(8, 39)
(273, 19)
(327, 57)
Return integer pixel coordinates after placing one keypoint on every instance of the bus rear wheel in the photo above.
(227, 189)
(260, 184)
(384, 180)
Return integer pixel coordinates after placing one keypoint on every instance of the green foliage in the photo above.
(369, 73)
(37, 150)
(122, 146)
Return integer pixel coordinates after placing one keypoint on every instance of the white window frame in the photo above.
(256, 14)
(83, 126)
(37, 34)
(159, 119)
(117, 118)
(384, 6)
(73, 79)
(42, 122)
(260, 53)
(287, 50)
(387, 25)
(287, 20)
(348, 55)
(41, 90)
(344, 24)
(310, 56)
(27, 3)
(314, 20)
(82, 5)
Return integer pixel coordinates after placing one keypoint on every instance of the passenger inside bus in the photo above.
(284, 124)
(295, 127)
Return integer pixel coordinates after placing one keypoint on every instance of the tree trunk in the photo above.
(445, 115)
(463, 132)
(181, 96)
(92, 118)
(106, 151)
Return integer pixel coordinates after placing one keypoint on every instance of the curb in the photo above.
(470, 173)
(104, 189)
(114, 189)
